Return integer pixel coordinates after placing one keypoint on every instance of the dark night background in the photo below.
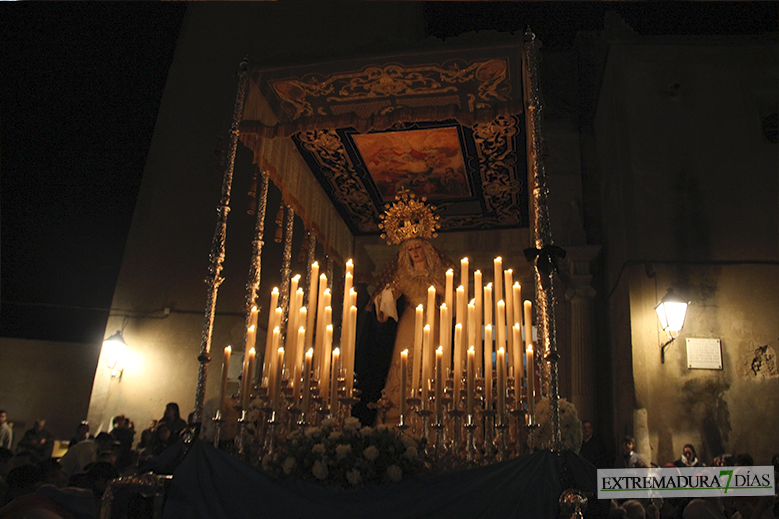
(81, 84)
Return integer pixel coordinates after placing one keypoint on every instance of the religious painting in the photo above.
(427, 162)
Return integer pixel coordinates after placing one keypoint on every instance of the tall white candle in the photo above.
(500, 335)
(301, 342)
(449, 292)
(345, 310)
(478, 297)
(351, 343)
(531, 384)
(497, 281)
(458, 365)
(472, 324)
(416, 366)
(324, 378)
(487, 319)
(508, 278)
(403, 383)
(334, 381)
(312, 304)
(460, 311)
(517, 303)
(488, 366)
(471, 381)
(292, 312)
(276, 337)
(277, 381)
(442, 329)
(267, 359)
(319, 344)
(426, 361)
(439, 384)
(464, 276)
(431, 308)
(307, 366)
(501, 384)
(518, 366)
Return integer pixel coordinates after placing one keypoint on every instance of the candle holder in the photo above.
(239, 439)
(500, 442)
(438, 451)
(456, 415)
(217, 419)
(470, 429)
(489, 434)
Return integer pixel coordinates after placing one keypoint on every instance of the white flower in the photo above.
(394, 472)
(353, 476)
(312, 431)
(366, 431)
(319, 448)
(411, 453)
(319, 470)
(329, 422)
(335, 435)
(351, 424)
(382, 427)
(370, 453)
(342, 450)
(288, 465)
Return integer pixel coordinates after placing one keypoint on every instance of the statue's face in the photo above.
(415, 251)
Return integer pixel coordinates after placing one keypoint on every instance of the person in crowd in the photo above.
(593, 449)
(82, 433)
(172, 418)
(627, 459)
(52, 473)
(162, 439)
(6, 432)
(37, 440)
(22, 480)
(88, 451)
(689, 458)
(124, 434)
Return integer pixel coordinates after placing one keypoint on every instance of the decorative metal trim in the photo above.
(255, 266)
(217, 254)
(542, 228)
(286, 269)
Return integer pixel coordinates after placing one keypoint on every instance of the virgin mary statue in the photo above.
(416, 267)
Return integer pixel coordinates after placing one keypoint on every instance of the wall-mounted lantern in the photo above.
(671, 311)
(113, 352)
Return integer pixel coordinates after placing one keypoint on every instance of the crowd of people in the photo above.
(72, 485)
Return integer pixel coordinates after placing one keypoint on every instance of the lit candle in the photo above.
(501, 384)
(247, 387)
(267, 359)
(471, 381)
(417, 360)
(498, 278)
(426, 361)
(508, 278)
(351, 342)
(531, 384)
(325, 355)
(472, 323)
(277, 381)
(478, 290)
(276, 337)
(319, 344)
(460, 311)
(528, 322)
(517, 303)
(348, 280)
(458, 367)
(488, 366)
(403, 384)
(307, 364)
(487, 317)
(439, 384)
(312, 304)
(518, 369)
(324, 379)
(464, 275)
(500, 335)
(292, 312)
(251, 336)
(292, 326)
(223, 383)
(334, 382)
(442, 330)
(301, 341)
(431, 307)
(449, 293)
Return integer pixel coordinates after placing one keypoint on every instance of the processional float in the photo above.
(468, 409)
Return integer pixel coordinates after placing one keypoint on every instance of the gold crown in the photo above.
(408, 218)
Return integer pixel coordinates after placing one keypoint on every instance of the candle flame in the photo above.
(450, 271)
(275, 290)
(349, 263)
(310, 353)
(228, 349)
(337, 351)
(427, 327)
(281, 349)
(251, 328)
(517, 285)
(329, 327)
(471, 350)
(315, 264)
(252, 352)
(440, 350)
(501, 350)
(297, 277)
(404, 352)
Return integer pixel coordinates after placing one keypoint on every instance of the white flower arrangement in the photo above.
(348, 457)
(570, 426)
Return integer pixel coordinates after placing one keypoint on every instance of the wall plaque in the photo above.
(704, 354)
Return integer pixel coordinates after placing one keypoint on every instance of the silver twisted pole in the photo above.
(214, 278)
(541, 225)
